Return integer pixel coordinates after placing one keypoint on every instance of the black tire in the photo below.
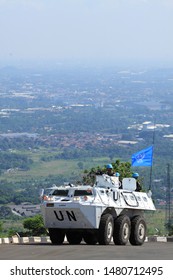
(122, 228)
(106, 229)
(74, 237)
(56, 236)
(138, 231)
(90, 238)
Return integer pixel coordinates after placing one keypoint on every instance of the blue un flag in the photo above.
(143, 157)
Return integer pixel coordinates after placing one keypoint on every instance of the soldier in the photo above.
(109, 170)
(138, 185)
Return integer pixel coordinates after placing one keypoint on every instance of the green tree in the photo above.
(124, 168)
(12, 231)
(169, 227)
(35, 225)
(5, 212)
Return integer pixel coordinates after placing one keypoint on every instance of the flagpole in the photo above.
(151, 168)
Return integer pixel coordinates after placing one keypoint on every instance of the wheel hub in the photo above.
(109, 230)
(126, 230)
(141, 231)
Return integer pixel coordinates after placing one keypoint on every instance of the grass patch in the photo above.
(156, 222)
(43, 169)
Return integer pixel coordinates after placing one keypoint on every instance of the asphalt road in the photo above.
(148, 251)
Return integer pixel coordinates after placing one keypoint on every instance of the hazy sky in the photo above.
(103, 30)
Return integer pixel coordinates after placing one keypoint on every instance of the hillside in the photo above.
(58, 123)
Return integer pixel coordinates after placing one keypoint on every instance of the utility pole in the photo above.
(168, 202)
(153, 142)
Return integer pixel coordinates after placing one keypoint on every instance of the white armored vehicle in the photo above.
(97, 214)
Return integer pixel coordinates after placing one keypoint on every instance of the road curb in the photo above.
(22, 240)
(46, 239)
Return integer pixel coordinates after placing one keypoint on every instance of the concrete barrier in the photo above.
(46, 239)
(15, 240)
(23, 240)
(6, 240)
(161, 239)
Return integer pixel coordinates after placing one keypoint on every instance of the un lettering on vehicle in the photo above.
(65, 215)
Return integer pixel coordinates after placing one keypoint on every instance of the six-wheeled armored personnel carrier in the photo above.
(95, 214)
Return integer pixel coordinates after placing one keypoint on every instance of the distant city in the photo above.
(142, 97)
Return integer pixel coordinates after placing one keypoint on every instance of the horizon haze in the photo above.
(100, 31)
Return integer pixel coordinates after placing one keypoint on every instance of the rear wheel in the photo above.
(121, 230)
(138, 231)
(106, 229)
(56, 236)
(74, 237)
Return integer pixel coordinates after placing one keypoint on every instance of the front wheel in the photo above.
(74, 237)
(121, 230)
(106, 229)
(56, 236)
(138, 231)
